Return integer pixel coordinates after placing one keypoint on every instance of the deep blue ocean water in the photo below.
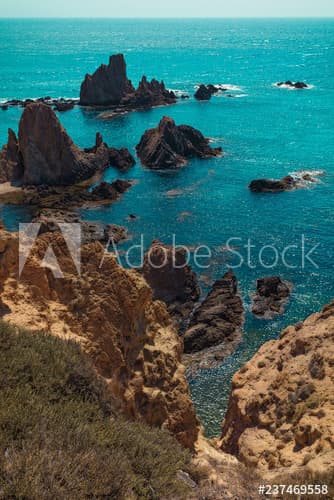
(265, 132)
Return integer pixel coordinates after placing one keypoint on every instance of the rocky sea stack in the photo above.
(218, 319)
(172, 280)
(170, 145)
(44, 153)
(109, 86)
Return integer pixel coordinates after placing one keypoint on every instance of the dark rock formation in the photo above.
(121, 158)
(49, 155)
(63, 105)
(218, 319)
(60, 104)
(271, 297)
(111, 190)
(148, 95)
(204, 92)
(109, 86)
(10, 159)
(294, 85)
(169, 145)
(273, 186)
(171, 279)
(44, 154)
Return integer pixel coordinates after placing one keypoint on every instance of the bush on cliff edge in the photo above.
(59, 437)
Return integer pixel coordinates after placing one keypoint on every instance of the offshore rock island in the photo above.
(110, 86)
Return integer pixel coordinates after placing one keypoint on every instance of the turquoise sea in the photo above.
(265, 132)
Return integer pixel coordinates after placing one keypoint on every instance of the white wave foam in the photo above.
(308, 177)
(225, 86)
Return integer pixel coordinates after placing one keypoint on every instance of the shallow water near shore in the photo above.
(265, 131)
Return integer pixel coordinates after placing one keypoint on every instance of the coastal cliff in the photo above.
(281, 408)
(110, 312)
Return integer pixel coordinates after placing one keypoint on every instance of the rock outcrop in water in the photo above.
(218, 319)
(45, 154)
(111, 313)
(293, 85)
(170, 145)
(172, 280)
(273, 186)
(281, 410)
(110, 86)
(205, 92)
(271, 297)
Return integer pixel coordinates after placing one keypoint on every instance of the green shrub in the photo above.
(59, 436)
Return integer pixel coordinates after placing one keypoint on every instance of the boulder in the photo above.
(121, 159)
(204, 92)
(63, 105)
(111, 190)
(273, 186)
(172, 280)
(218, 319)
(271, 297)
(170, 145)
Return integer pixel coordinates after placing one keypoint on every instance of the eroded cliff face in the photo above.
(281, 409)
(111, 313)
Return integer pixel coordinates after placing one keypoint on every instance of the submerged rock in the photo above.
(280, 412)
(271, 297)
(172, 280)
(218, 319)
(170, 145)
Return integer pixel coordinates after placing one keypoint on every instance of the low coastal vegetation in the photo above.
(61, 438)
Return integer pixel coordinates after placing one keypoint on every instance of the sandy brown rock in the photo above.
(172, 280)
(281, 409)
(170, 145)
(111, 313)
